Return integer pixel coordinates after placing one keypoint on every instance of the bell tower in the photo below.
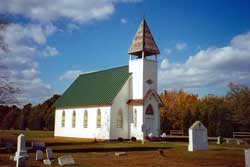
(143, 61)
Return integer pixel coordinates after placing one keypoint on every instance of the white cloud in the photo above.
(50, 51)
(71, 27)
(28, 41)
(164, 64)
(213, 67)
(123, 21)
(181, 46)
(167, 51)
(51, 10)
(73, 74)
(23, 42)
(70, 75)
(29, 73)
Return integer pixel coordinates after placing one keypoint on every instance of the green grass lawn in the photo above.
(12, 134)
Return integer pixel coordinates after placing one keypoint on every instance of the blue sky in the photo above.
(204, 44)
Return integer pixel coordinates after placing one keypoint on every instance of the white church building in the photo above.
(115, 103)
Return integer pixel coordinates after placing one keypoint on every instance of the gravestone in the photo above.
(21, 147)
(197, 137)
(247, 157)
(38, 145)
(49, 153)
(240, 141)
(219, 140)
(164, 135)
(66, 160)
(39, 155)
(121, 154)
(20, 161)
(48, 162)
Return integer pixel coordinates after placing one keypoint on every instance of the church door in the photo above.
(149, 120)
(149, 126)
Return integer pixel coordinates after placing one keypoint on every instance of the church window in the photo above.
(149, 110)
(98, 119)
(85, 119)
(119, 119)
(135, 117)
(63, 119)
(74, 119)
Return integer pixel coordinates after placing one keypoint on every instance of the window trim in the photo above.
(149, 110)
(135, 117)
(63, 119)
(74, 119)
(119, 119)
(85, 119)
(98, 118)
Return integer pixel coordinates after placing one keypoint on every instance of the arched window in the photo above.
(63, 119)
(74, 119)
(119, 119)
(135, 117)
(149, 110)
(85, 119)
(98, 119)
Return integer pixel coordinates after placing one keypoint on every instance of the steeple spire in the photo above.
(143, 43)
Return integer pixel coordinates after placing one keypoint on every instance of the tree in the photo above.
(8, 90)
(187, 121)
(35, 118)
(176, 106)
(3, 45)
(10, 119)
(238, 101)
(216, 116)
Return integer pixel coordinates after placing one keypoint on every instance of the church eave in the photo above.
(84, 106)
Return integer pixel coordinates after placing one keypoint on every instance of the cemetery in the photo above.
(80, 152)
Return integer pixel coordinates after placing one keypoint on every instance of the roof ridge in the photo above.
(103, 70)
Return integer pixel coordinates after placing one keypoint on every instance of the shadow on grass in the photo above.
(218, 149)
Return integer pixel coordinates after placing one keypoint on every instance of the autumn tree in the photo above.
(238, 101)
(176, 105)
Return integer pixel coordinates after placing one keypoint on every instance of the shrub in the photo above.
(133, 139)
(120, 139)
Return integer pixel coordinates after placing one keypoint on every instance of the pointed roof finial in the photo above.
(143, 42)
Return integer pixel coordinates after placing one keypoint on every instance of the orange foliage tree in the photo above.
(175, 107)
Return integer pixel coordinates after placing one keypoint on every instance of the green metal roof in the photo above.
(97, 88)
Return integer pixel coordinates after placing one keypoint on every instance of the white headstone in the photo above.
(219, 140)
(20, 161)
(48, 162)
(39, 155)
(247, 157)
(164, 135)
(21, 147)
(66, 160)
(198, 139)
(49, 153)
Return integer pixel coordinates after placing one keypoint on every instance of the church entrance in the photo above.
(149, 120)
(149, 126)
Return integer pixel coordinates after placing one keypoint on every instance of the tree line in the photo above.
(220, 114)
(38, 117)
